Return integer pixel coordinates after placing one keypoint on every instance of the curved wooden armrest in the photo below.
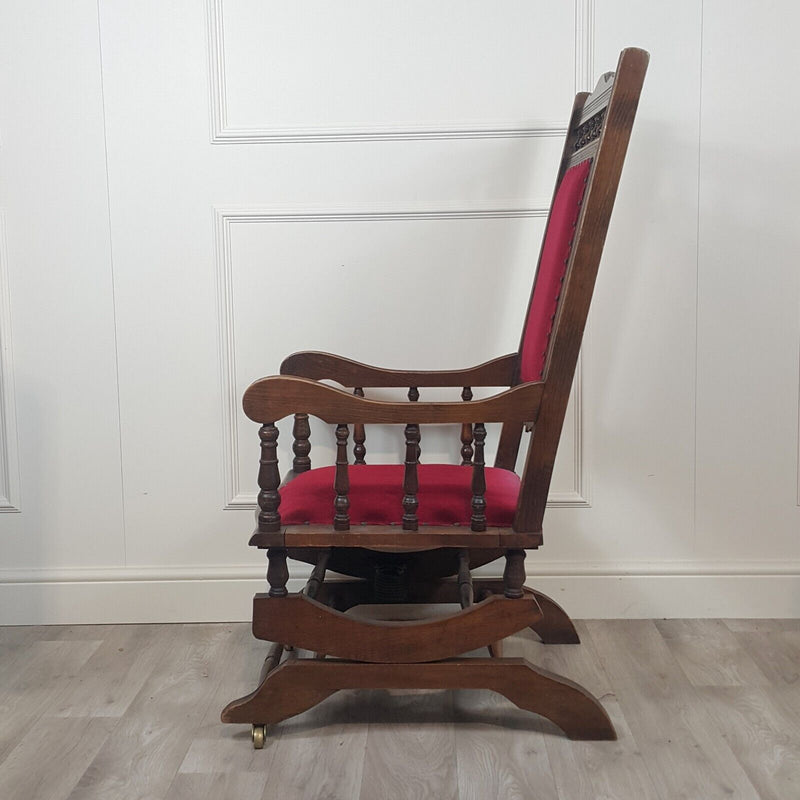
(276, 397)
(321, 366)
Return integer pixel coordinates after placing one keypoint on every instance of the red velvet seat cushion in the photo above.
(376, 495)
(552, 267)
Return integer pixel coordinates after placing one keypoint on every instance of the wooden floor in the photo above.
(704, 709)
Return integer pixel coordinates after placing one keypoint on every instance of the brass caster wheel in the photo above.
(259, 733)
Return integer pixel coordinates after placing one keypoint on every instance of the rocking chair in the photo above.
(411, 533)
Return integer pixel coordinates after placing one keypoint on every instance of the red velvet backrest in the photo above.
(597, 140)
(556, 249)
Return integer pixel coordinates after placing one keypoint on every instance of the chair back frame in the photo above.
(599, 129)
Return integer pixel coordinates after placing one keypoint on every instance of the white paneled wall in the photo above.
(191, 190)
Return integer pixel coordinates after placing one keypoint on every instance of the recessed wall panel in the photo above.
(381, 69)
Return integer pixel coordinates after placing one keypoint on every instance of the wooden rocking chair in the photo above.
(411, 533)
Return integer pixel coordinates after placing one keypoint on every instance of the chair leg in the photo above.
(300, 684)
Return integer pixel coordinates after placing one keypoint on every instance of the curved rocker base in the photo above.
(554, 625)
(299, 684)
(302, 622)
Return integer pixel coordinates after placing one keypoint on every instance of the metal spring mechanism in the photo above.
(390, 583)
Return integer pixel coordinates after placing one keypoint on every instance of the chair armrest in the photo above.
(320, 366)
(276, 397)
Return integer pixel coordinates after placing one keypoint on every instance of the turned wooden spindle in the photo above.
(359, 435)
(318, 573)
(277, 572)
(514, 574)
(341, 519)
(478, 521)
(466, 431)
(301, 431)
(272, 660)
(465, 590)
(413, 396)
(269, 479)
(411, 480)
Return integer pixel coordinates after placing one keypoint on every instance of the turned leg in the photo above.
(496, 649)
(513, 578)
(514, 573)
(271, 661)
(466, 593)
(259, 729)
(277, 572)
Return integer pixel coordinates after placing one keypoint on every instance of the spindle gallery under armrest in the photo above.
(392, 538)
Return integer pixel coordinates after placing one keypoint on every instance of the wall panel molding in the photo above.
(538, 567)
(584, 45)
(584, 82)
(224, 220)
(579, 496)
(224, 132)
(9, 464)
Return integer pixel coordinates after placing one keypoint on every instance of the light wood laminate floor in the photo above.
(704, 709)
